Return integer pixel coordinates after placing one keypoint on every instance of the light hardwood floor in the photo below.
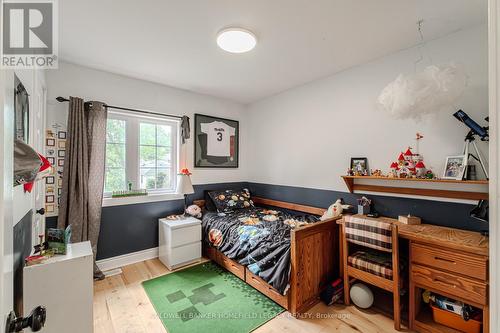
(122, 306)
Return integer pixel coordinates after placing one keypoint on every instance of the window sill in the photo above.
(108, 202)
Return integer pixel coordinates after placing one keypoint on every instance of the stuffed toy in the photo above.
(293, 223)
(335, 210)
(270, 218)
(194, 211)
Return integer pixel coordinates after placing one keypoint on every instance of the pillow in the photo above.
(230, 200)
(209, 203)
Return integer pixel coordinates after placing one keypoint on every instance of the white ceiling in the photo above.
(173, 41)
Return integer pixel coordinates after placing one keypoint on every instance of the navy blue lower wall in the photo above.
(447, 214)
(131, 228)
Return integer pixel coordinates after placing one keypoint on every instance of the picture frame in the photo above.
(49, 208)
(454, 167)
(216, 142)
(360, 163)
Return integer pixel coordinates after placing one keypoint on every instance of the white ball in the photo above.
(361, 295)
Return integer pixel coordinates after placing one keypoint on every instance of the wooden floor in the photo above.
(122, 306)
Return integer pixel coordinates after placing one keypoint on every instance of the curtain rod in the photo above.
(62, 99)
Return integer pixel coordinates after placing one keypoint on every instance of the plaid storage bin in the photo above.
(376, 263)
(370, 233)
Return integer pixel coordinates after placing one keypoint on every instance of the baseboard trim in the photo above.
(127, 259)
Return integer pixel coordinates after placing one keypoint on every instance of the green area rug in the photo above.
(206, 298)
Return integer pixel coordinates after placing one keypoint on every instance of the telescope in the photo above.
(475, 130)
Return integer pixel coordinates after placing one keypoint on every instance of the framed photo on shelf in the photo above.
(359, 165)
(216, 142)
(454, 167)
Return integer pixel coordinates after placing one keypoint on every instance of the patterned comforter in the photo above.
(257, 238)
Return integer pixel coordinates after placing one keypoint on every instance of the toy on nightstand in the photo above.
(194, 211)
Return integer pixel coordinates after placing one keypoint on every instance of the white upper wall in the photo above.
(307, 135)
(89, 84)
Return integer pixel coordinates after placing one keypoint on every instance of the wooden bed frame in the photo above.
(314, 260)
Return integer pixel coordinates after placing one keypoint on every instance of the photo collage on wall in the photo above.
(55, 150)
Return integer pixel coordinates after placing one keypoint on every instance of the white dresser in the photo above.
(64, 285)
(180, 241)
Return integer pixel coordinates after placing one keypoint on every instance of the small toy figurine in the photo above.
(429, 175)
(377, 173)
(350, 172)
(194, 211)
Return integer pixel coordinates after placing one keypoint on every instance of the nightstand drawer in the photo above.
(181, 255)
(451, 284)
(453, 261)
(182, 236)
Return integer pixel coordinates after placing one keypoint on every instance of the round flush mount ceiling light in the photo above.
(236, 40)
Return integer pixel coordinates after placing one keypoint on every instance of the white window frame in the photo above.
(132, 148)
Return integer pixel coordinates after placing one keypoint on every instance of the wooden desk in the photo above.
(449, 262)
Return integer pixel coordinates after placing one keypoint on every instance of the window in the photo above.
(141, 151)
(155, 156)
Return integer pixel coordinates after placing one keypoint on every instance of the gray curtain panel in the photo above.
(83, 175)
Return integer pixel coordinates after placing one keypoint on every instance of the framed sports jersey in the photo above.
(216, 142)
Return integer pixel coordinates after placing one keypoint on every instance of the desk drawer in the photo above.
(454, 285)
(464, 264)
(232, 266)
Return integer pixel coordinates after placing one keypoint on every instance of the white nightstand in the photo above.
(180, 241)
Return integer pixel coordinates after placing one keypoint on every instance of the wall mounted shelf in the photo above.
(442, 188)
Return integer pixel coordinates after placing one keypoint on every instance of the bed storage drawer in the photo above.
(211, 253)
(231, 266)
(464, 264)
(266, 289)
(450, 284)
